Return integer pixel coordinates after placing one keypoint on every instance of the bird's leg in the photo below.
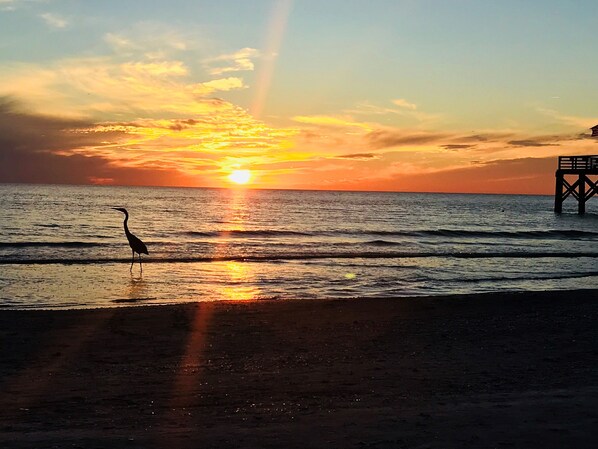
(140, 266)
(132, 260)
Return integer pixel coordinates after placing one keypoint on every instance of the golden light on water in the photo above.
(241, 276)
(240, 176)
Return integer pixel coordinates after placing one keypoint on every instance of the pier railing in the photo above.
(578, 162)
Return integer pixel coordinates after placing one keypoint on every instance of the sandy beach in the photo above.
(496, 370)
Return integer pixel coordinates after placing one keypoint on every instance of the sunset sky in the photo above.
(401, 95)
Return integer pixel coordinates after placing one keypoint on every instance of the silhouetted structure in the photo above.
(137, 246)
(583, 188)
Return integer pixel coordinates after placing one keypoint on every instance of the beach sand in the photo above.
(497, 370)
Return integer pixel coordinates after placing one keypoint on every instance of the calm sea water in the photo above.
(64, 247)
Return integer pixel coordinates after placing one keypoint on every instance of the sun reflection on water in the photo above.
(237, 277)
(240, 278)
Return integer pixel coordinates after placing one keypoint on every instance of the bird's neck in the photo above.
(125, 224)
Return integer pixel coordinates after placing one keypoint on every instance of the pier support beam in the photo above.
(581, 199)
(558, 194)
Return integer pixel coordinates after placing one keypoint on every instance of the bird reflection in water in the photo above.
(137, 289)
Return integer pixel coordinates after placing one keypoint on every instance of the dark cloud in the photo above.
(31, 167)
(484, 137)
(531, 143)
(460, 146)
(386, 138)
(179, 125)
(312, 137)
(475, 138)
(176, 125)
(35, 149)
(359, 156)
(21, 131)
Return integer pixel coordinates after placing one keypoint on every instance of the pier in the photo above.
(573, 179)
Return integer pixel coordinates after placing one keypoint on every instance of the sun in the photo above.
(240, 176)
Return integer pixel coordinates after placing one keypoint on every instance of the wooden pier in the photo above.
(583, 188)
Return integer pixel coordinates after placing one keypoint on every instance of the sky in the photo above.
(405, 95)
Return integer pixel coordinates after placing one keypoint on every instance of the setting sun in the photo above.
(240, 176)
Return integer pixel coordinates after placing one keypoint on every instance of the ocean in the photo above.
(64, 247)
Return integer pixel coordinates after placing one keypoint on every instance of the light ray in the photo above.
(274, 37)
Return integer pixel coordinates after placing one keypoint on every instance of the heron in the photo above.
(137, 246)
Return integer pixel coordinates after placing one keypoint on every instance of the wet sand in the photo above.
(497, 370)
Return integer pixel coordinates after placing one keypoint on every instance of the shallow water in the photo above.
(63, 246)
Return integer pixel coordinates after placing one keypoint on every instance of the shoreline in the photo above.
(139, 303)
(513, 369)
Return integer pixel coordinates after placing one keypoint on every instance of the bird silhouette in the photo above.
(137, 246)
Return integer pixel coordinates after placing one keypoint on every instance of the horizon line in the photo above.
(238, 188)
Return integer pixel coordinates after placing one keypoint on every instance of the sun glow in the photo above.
(240, 176)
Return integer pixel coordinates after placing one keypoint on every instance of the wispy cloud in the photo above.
(119, 42)
(7, 5)
(331, 121)
(241, 60)
(13, 5)
(572, 121)
(149, 41)
(402, 103)
(157, 69)
(404, 110)
(54, 20)
(222, 85)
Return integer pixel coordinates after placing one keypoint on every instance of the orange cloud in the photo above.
(102, 87)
